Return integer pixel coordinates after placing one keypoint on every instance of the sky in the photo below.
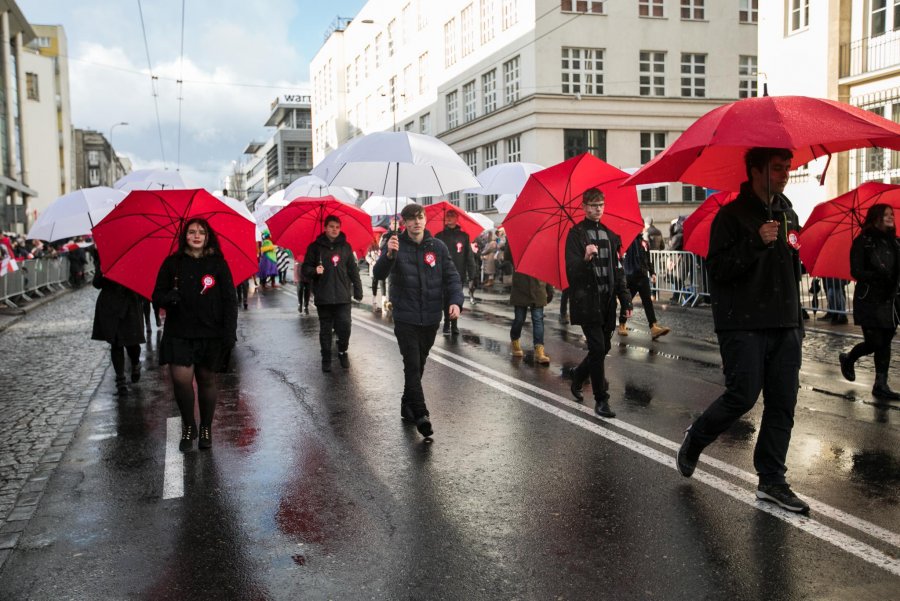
(238, 57)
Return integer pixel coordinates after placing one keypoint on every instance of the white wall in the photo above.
(42, 135)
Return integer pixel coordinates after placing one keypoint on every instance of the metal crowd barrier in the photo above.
(38, 277)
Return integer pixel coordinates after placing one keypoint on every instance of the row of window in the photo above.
(690, 10)
(489, 100)
(459, 32)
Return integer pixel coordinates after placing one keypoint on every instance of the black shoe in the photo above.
(881, 390)
(847, 368)
(423, 425)
(454, 329)
(245, 305)
(205, 437)
(326, 365)
(576, 386)
(136, 372)
(603, 410)
(783, 496)
(306, 310)
(188, 434)
(344, 358)
(446, 329)
(840, 320)
(121, 387)
(406, 413)
(688, 456)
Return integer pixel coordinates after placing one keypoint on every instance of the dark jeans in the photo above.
(564, 303)
(599, 341)
(537, 323)
(334, 318)
(755, 361)
(303, 291)
(877, 341)
(414, 342)
(243, 291)
(640, 284)
(376, 283)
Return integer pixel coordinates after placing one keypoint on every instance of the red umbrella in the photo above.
(434, 216)
(298, 224)
(829, 232)
(711, 151)
(696, 226)
(143, 229)
(550, 204)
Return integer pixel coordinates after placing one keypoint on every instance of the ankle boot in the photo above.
(205, 437)
(881, 389)
(515, 348)
(847, 368)
(539, 356)
(121, 387)
(188, 434)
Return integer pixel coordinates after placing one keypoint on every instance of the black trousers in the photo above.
(304, 289)
(640, 284)
(755, 361)
(243, 291)
(877, 341)
(564, 302)
(334, 318)
(415, 342)
(599, 341)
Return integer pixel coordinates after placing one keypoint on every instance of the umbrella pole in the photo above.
(392, 254)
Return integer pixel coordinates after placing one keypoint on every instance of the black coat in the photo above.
(636, 262)
(421, 277)
(592, 300)
(341, 276)
(875, 265)
(118, 315)
(459, 245)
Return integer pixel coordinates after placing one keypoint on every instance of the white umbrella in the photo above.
(311, 186)
(75, 214)
(277, 199)
(150, 179)
(504, 202)
(238, 205)
(483, 220)
(384, 205)
(506, 178)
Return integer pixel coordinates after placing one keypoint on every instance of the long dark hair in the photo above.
(874, 219)
(212, 242)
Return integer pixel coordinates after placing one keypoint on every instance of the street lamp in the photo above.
(112, 127)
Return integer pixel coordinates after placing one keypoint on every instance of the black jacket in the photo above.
(421, 276)
(875, 265)
(753, 286)
(118, 315)
(341, 276)
(190, 312)
(595, 285)
(458, 243)
(636, 262)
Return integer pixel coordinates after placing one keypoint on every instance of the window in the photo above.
(471, 159)
(652, 73)
(513, 149)
(693, 75)
(296, 158)
(453, 197)
(509, 13)
(366, 61)
(467, 23)
(487, 21)
(450, 42)
(875, 156)
(746, 76)
(348, 76)
(693, 10)
(881, 20)
(489, 91)
(490, 155)
(748, 11)
(409, 126)
(406, 89)
(404, 25)
(392, 26)
(425, 124)
(356, 72)
(31, 86)
(421, 14)
(652, 143)
(651, 8)
(799, 15)
(579, 141)
(594, 7)
(94, 176)
(511, 80)
(452, 110)
(691, 193)
(470, 102)
(582, 71)
(423, 73)
(378, 50)
(93, 157)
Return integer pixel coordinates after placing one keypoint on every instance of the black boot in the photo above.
(188, 434)
(121, 387)
(205, 437)
(847, 369)
(881, 389)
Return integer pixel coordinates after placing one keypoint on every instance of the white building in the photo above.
(536, 80)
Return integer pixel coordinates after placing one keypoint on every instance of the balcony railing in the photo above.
(870, 54)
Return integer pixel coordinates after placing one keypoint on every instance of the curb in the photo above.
(23, 311)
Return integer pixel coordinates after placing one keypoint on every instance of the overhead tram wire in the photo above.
(180, 87)
(153, 80)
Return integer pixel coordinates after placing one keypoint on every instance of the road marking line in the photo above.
(805, 523)
(173, 476)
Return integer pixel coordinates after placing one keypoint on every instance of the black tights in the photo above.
(183, 379)
(117, 353)
(877, 341)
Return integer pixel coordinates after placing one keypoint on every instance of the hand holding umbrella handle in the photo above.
(768, 231)
(393, 245)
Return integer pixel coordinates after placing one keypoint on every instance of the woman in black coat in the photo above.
(195, 288)
(875, 264)
(119, 320)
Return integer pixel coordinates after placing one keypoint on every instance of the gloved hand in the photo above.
(171, 298)
(357, 296)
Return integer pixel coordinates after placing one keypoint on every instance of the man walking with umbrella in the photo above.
(754, 274)
(458, 243)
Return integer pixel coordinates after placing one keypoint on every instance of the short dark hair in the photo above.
(451, 212)
(411, 211)
(760, 156)
(332, 219)
(874, 216)
(591, 194)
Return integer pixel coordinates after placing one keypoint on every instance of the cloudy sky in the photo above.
(238, 57)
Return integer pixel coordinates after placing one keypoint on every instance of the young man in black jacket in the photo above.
(460, 247)
(639, 274)
(422, 276)
(331, 265)
(754, 274)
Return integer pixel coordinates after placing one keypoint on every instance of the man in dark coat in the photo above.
(596, 280)
(422, 276)
(331, 265)
(458, 243)
(754, 275)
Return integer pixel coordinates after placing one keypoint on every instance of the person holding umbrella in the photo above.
(754, 275)
(119, 320)
(596, 280)
(875, 264)
(195, 287)
(458, 243)
(422, 278)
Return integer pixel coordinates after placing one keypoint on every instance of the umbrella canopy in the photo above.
(75, 214)
(833, 225)
(297, 225)
(383, 205)
(505, 202)
(550, 204)
(698, 223)
(483, 220)
(505, 178)
(711, 151)
(135, 238)
(311, 186)
(434, 219)
(150, 179)
(276, 199)
(238, 205)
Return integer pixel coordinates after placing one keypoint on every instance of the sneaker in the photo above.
(622, 330)
(847, 368)
(423, 425)
(344, 358)
(205, 437)
(688, 456)
(783, 496)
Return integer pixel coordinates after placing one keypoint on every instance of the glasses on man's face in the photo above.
(594, 205)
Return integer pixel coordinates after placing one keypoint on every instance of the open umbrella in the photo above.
(505, 202)
(297, 225)
(275, 199)
(75, 214)
(136, 236)
(312, 186)
(150, 179)
(384, 205)
(829, 231)
(711, 151)
(505, 178)
(550, 204)
(483, 220)
(696, 226)
(434, 219)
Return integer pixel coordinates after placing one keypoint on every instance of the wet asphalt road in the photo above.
(315, 489)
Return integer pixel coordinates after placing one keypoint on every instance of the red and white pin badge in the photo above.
(793, 239)
(335, 259)
(430, 259)
(208, 282)
(459, 246)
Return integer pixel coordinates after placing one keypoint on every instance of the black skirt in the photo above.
(200, 352)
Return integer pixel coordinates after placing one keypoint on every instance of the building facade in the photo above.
(96, 162)
(537, 80)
